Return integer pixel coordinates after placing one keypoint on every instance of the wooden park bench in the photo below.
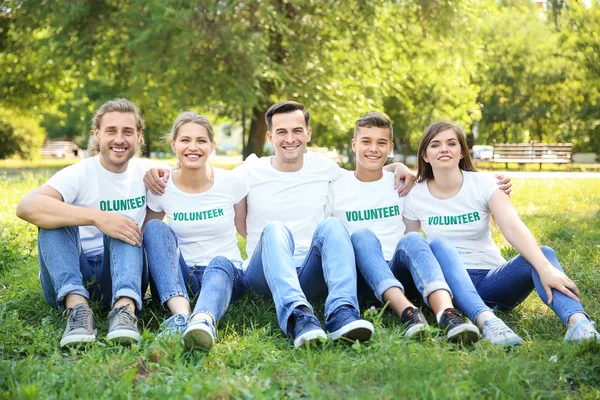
(533, 153)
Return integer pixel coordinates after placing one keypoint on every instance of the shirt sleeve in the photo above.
(153, 202)
(239, 188)
(68, 182)
(329, 204)
(487, 185)
(409, 211)
(242, 171)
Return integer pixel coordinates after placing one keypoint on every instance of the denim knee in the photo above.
(440, 243)
(277, 230)
(411, 239)
(330, 225)
(154, 227)
(223, 264)
(364, 237)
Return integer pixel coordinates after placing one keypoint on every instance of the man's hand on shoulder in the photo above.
(156, 179)
(504, 183)
(402, 174)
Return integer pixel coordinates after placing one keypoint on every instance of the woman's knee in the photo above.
(440, 244)
(153, 227)
(331, 225)
(363, 236)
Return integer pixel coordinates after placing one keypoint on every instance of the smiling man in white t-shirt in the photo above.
(294, 252)
(89, 217)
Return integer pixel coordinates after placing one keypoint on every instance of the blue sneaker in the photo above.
(345, 322)
(306, 328)
(199, 333)
(173, 326)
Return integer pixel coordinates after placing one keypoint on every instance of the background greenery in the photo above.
(253, 360)
(508, 70)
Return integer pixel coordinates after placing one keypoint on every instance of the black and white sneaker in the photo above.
(414, 321)
(457, 328)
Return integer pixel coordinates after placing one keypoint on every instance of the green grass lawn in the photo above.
(253, 360)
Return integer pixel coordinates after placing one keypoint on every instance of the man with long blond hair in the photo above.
(89, 217)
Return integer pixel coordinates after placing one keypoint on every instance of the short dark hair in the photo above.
(284, 107)
(424, 170)
(374, 119)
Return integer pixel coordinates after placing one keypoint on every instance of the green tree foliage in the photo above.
(524, 72)
(19, 135)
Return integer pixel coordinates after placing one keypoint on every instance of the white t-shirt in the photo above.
(88, 184)
(296, 199)
(464, 219)
(204, 222)
(371, 205)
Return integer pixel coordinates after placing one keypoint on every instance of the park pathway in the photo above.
(551, 175)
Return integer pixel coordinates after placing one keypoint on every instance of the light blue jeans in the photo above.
(501, 288)
(120, 271)
(216, 285)
(328, 271)
(412, 263)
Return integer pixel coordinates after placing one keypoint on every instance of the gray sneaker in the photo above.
(81, 326)
(497, 332)
(581, 331)
(122, 326)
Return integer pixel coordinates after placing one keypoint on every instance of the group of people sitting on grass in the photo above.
(314, 232)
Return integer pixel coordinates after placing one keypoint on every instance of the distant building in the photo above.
(61, 149)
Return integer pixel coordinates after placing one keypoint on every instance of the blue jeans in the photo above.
(501, 288)
(120, 271)
(217, 285)
(412, 262)
(328, 270)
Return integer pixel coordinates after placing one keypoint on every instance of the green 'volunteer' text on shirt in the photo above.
(373, 213)
(123, 205)
(198, 215)
(454, 219)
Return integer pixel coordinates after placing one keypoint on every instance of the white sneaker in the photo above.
(582, 330)
(497, 332)
(199, 333)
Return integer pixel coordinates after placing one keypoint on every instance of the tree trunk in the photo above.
(257, 134)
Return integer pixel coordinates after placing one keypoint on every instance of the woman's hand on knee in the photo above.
(552, 278)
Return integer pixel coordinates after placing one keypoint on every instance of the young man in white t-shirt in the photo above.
(369, 207)
(89, 217)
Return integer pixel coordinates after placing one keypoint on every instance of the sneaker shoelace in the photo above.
(498, 327)
(79, 318)
(345, 313)
(179, 320)
(455, 317)
(412, 316)
(588, 329)
(125, 316)
(306, 319)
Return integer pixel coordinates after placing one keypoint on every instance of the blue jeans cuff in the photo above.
(132, 294)
(70, 289)
(434, 287)
(169, 296)
(384, 285)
